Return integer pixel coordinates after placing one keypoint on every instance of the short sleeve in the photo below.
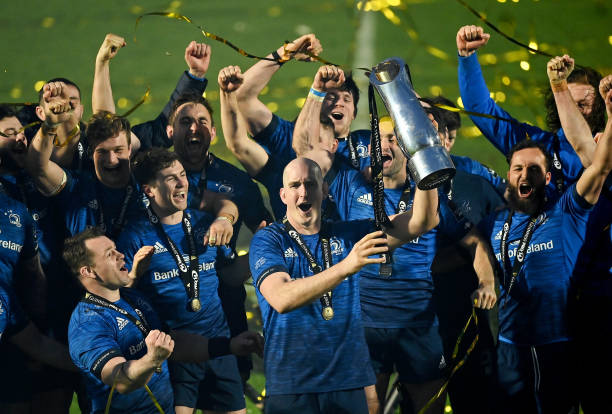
(92, 345)
(266, 255)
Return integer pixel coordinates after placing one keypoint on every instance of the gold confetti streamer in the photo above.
(142, 100)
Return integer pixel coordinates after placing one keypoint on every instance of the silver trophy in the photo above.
(428, 161)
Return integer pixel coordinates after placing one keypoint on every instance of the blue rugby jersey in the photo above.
(536, 312)
(222, 177)
(404, 299)
(84, 196)
(303, 352)
(17, 237)
(474, 167)
(276, 138)
(502, 134)
(162, 284)
(97, 334)
(12, 316)
(44, 212)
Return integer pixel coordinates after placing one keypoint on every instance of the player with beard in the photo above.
(182, 279)
(191, 128)
(109, 197)
(315, 356)
(582, 85)
(276, 134)
(115, 335)
(536, 242)
(398, 313)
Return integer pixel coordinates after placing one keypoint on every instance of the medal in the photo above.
(196, 305)
(327, 313)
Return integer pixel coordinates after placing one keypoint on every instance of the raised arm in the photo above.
(226, 212)
(102, 93)
(308, 124)
(255, 112)
(484, 296)
(591, 182)
(42, 348)
(285, 294)
(49, 177)
(576, 128)
(251, 155)
(422, 217)
(197, 57)
(476, 96)
(131, 375)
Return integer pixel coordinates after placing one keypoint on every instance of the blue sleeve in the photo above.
(276, 138)
(153, 133)
(266, 255)
(485, 227)
(30, 242)
(225, 255)
(474, 167)
(475, 96)
(92, 345)
(574, 204)
(452, 227)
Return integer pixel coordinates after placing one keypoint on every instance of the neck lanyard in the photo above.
(327, 311)
(557, 166)
(189, 274)
(378, 186)
(521, 250)
(118, 224)
(140, 322)
(203, 182)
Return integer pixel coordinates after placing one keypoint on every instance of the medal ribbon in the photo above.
(326, 300)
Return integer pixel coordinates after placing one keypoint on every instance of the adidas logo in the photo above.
(121, 322)
(290, 253)
(159, 248)
(365, 199)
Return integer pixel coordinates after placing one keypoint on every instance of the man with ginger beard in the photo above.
(536, 243)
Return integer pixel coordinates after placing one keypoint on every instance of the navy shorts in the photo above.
(334, 402)
(536, 378)
(416, 353)
(213, 385)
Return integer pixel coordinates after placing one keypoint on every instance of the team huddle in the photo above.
(120, 272)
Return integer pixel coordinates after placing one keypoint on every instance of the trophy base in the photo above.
(431, 167)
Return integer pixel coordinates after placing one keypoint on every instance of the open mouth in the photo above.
(112, 169)
(387, 160)
(337, 116)
(123, 268)
(305, 207)
(179, 197)
(525, 190)
(194, 141)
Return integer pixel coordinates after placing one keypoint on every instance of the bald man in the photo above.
(316, 359)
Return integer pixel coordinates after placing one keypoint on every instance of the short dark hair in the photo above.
(528, 143)
(452, 119)
(66, 81)
(104, 125)
(350, 86)
(192, 98)
(437, 114)
(585, 76)
(76, 254)
(147, 164)
(7, 111)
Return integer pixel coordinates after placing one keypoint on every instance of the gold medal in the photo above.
(327, 313)
(196, 305)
